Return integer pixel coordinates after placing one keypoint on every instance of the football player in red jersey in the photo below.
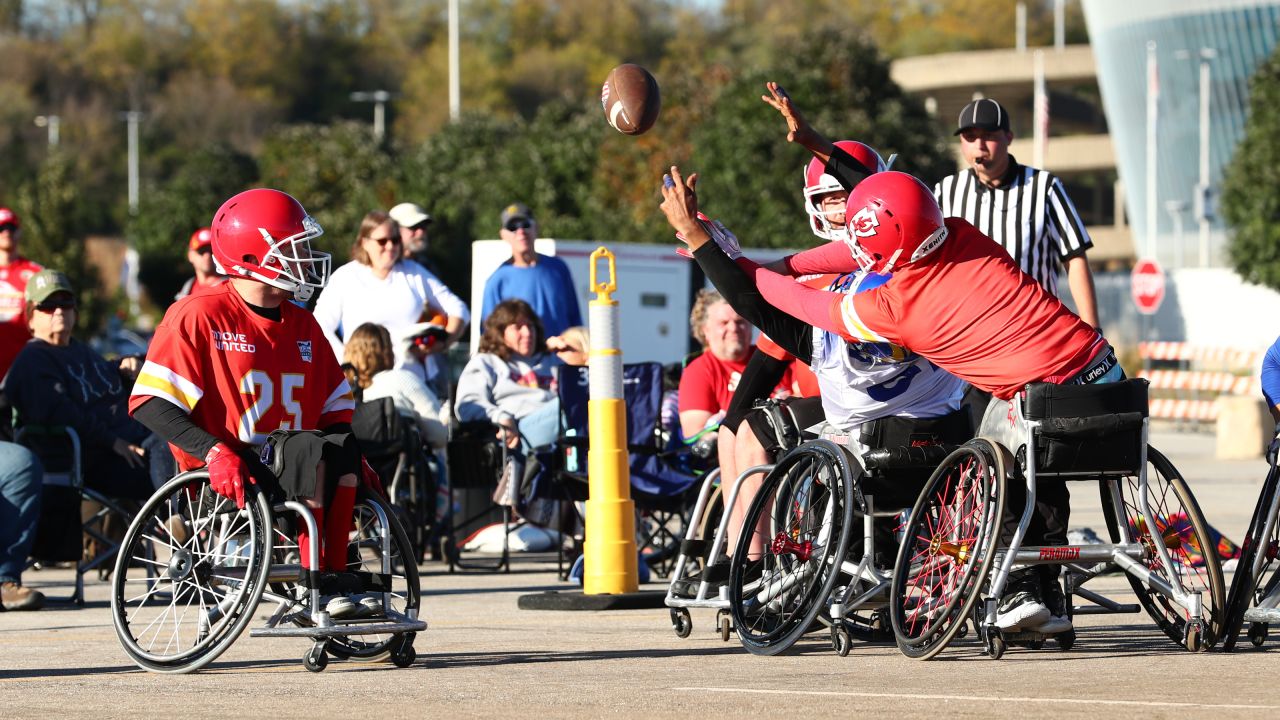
(14, 272)
(232, 364)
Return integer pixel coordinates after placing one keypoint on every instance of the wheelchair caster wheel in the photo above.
(1193, 636)
(681, 622)
(1258, 634)
(404, 658)
(725, 624)
(1065, 640)
(995, 644)
(315, 660)
(963, 632)
(840, 640)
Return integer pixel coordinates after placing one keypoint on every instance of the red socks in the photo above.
(338, 518)
(304, 540)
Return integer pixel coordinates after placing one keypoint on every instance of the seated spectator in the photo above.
(20, 478)
(371, 357)
(509, 382)
(573, 346)
(707, 384)
(57, 380)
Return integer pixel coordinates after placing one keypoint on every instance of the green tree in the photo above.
(169, 212)
(1251, 184)
(337, 172)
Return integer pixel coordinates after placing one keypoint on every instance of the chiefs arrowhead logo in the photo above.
(865, 224)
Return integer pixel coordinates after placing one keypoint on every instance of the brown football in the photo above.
(631, 99)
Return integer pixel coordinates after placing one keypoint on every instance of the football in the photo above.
(631, 99)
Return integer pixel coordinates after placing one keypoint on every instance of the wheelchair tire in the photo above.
(947, 549)
(1244, 585)
(774, 600)
(190, 573)
(1169, 496)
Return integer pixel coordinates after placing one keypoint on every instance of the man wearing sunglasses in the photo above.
(200, 255)
(540, 280)
(15, 270)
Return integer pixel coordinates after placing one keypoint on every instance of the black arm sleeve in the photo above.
(175, 426)
(846, 169)
(793, 335)
(758, 380)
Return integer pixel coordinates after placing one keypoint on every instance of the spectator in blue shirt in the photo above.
(540, 280)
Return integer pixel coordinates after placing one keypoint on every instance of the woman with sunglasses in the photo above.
(540, 280)
(380, 286)
(57, 380)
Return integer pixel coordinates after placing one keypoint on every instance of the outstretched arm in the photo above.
(818, 308)
(799, 130)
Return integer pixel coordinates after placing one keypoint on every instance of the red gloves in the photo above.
(370, 477)
(227, 473)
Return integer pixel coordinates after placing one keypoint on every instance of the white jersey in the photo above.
(865, 381)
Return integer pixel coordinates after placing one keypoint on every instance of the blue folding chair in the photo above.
(662, 487)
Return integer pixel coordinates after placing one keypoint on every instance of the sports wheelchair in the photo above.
(193, 569)
(819, 566)
(1255, 589)
(953, 565)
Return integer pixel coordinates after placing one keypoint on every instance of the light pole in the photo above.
(455, 82)
(54, 124)
(1203, 209)
(379, 99)
(1175, 209)
(133, 117)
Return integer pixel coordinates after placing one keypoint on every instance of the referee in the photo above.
(1025, 209)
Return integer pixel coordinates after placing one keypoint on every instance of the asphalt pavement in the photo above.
(483, 657)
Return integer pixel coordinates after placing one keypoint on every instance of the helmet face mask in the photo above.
(265, 235)
(818, 184)
(892, 220)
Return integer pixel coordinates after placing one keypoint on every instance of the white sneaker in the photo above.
(340, 606)
(1021, 610)
(370, 606)
(1054, 625)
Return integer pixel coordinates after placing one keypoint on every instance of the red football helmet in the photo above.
(818, 183)
(266, 235)
(889, 215)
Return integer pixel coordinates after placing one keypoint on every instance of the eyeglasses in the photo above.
(206, 250)
(8, 227)
(385, 239)
(518, 224)
(48, 306)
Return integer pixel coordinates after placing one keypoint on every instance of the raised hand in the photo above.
(680, 206)
(799, 130)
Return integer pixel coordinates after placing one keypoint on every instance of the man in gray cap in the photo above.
(540, 280)
(1027, 211)
(413, 222)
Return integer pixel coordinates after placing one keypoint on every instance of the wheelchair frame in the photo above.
(194, 570)
(1128, 553)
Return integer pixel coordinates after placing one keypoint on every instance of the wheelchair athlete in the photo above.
(952, 295)
(229, 366)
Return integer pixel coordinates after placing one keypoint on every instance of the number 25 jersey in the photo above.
(239, 375)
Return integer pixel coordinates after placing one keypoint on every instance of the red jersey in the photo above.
(803, 382)
(13, 326)
(966, 307)
(240, 375)
(708, 383)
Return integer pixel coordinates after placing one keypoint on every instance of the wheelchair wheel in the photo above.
(947, 548)
(1186, 536)
(190, 573)
(365, 554)
(1248, 579)
(807, 501)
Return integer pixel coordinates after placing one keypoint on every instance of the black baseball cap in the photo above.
(984, 114)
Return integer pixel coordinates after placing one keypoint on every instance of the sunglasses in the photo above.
(48, 306)
(518, 224)
(386, 239)
(8, 227)
(206, 250)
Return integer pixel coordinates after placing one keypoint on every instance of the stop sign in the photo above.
(1146, 285)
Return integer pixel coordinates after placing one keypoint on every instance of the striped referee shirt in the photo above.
(1029, 214)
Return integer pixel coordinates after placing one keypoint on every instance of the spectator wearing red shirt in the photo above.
(200, 255)
(14, 272)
